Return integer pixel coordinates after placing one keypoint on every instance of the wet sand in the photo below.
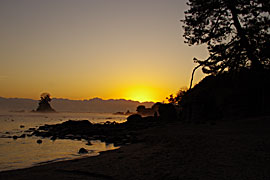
(238, 149)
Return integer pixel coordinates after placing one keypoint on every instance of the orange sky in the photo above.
(81, 49)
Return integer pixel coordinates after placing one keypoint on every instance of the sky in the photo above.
(81, 49)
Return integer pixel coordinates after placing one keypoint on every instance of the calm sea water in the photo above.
(26, 152)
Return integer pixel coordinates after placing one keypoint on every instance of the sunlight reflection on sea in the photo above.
(26, 152)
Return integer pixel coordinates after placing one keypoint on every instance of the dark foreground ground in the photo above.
(227, 150)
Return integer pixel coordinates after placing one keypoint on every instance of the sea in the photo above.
(26, 152)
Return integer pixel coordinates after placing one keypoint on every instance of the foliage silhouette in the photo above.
(177, 99)
(236, 33)
(143, 111)
(140, 108)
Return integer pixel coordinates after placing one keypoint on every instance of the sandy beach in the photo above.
(232, 149)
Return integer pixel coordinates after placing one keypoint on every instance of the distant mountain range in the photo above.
(66, 105)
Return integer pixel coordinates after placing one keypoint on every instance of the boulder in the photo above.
(82, 151)
(53, 138)
(134, 118)
(22, 136)
(88, 143)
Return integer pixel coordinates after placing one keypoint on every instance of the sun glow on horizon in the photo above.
(141, 97)
(142, 94)
(102, 49)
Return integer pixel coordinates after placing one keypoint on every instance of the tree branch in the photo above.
(192, 75)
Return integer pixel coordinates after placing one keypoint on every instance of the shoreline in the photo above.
(20, 149)
(238, 149)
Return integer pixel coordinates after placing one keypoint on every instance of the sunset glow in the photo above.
(130, 49)
(142, 94)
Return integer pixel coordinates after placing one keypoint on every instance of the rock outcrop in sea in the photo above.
(44, 105)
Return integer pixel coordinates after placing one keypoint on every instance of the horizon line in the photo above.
(83, 99)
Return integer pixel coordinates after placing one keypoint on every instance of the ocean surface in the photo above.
(26, 152)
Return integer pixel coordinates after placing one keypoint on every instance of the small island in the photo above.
(44, 105)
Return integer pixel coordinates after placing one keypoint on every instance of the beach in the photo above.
(229, 149)
(135, 90)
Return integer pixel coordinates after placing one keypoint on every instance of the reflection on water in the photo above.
(25, 152)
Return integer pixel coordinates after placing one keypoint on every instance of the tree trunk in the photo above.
(192, 76)
(255, 63)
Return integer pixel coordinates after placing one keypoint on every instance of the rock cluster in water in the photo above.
(109, 132)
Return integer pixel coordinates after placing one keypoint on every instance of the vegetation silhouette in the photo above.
(236, 34)
(143, 111)
(238, 85)
(159, 112)
(43, 105)
(243, 93)
(177, 99)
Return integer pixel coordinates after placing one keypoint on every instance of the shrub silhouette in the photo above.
(233, 94)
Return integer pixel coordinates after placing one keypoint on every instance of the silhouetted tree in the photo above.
(46, 97)
(140, 108)
(177, 99)
(156, 106)
(236, 33)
